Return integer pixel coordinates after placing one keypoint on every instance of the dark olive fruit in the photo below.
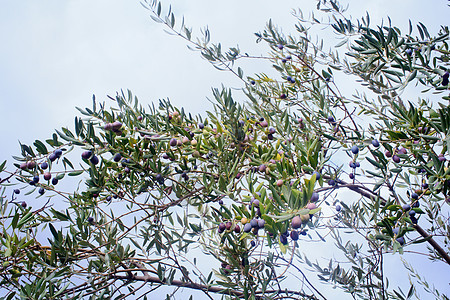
(44, 165)
(117, 157)
(413, 219)
(52, 157)
(402, 150)
(116, 125)
(412, 213)
(401, 240)
(222, 227)
(36, 179)
(425, 185)
(357, 164)
(126, 170)
(406, 207)
(294, 235)
(261, 223)
(41, 191)
(288, 57)
(272, 130)
(23, 166)
(55, 181)
(388, 154)
(314, 197)
(338, 208)
(228, 225)
(409, 52)
(58, 153)
(173, 142)
(331, 119)
(331, 182)
(396, 159)
(221, 202)
(90, 220)
(237, 229)
(416, 204)
(262, 168)
(16, 191)
(47, 176)
(252, 244)
(264, 123)
(296, 222)
(86, 154)
(441, 157)
(445, 78)
(375, 143)
(255, 202)
(31, 165)
(351, 176)
(247, 227)
(283, 96)
(139, 118)
(23, 204)
(94, 160)
(395, 230)
(254, 223)
(108, 198)
(280, 46)
(317, 175)
(201, 125)
(414, 196)
(352, 164)
(355, 149)
(252, 82)
(283, 239)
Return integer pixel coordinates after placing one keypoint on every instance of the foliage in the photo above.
(160, 191)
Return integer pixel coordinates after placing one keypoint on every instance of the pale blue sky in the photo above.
(55, 54)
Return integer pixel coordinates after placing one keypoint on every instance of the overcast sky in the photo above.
(55, 54)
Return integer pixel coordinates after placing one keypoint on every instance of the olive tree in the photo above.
(223, 202)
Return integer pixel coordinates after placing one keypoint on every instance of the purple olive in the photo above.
(237, 229)
(338, 208)
(86, 154)
(41, 191)
(173, 142)
(375, 143)
(247, 227)
(117, 157)
(94, 160)
(58, 153)
(396, 159)
(44, 165)
(388, 154)
(47, 176)
(314, 197)
(261, 223)
(401, 240)
(31, 165)
(254, 223)
(55, 181)
(355, 149)
(222, 227)
(294, 235)
(23, 204)
(52, 157)
(296, 222)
